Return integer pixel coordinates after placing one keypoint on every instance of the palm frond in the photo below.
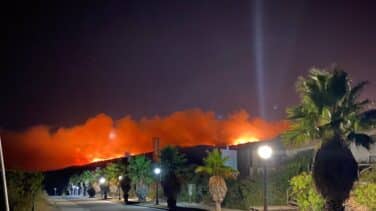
(368, 118)
(356, 90)
(215, 164)
(329, 106)
(338, 86)
(361, 139)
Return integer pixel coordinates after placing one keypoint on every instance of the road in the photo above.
(85, 204)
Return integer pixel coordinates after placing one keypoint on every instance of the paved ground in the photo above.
(84, 204)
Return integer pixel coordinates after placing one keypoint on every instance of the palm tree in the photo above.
(214, 165)
(139, 171)
(172, 163)
(331, 113)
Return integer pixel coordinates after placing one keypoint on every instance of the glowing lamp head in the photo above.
(265, 152)
(120, 177)
(102, 180)
(157, 171)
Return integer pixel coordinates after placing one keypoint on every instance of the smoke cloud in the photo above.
(101, 137)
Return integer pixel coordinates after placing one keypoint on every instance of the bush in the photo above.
(243, 194)
(365, 194)
(200, 192)
(24, 189)
(139, 171)
(303, 191)
(369, 176)
(91, 192)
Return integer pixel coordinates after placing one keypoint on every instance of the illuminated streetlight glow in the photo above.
(265, 152)
(120, 177)
(102, 180)
(157, 171)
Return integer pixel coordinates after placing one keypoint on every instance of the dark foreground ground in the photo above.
(86, 204)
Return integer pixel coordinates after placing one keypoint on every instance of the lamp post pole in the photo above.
(120, 178)
(265, 152)
(102, 182)
(157, 171)
(156, 197)
(265, 189)
(119, 193)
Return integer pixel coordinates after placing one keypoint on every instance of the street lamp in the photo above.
(102, 182)
(265, 152)
(55, 190)
(120, 178)
(157, 171)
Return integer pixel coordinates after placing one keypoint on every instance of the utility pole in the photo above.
(4, 178)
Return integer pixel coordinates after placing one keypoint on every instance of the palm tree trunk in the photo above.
(334, 173)
(217, 206)
(332, 205)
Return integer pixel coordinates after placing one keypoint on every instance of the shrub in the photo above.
(91, 192)
(243, 194)
(139, 171)
(364, 192)
(24, 189)
(200, 192)
(248, 192)
(303, 191)
(369, 176)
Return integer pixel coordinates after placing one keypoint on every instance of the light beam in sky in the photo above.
(258, 50)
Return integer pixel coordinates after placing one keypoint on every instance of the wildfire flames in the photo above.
(101, 138)
(245, 139)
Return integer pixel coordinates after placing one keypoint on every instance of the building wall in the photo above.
(249, 162)
(363, 155)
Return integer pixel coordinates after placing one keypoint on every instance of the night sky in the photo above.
(66, 62)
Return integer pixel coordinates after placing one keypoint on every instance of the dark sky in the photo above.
(68, 61)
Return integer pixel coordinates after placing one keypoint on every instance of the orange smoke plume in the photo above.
(100, 137)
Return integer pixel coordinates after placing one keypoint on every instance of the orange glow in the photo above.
(97, 159)
(245, 139)
(102, 138)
